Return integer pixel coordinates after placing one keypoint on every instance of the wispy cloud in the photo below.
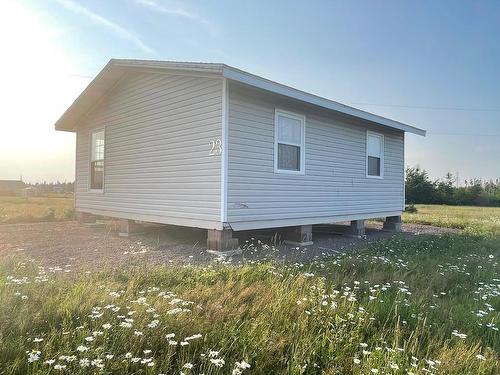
(117, 29)
(179, 12)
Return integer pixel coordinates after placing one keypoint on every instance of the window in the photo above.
(374, 155)
(289, 142)
(97, 160)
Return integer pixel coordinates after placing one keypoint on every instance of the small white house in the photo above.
(211, 146)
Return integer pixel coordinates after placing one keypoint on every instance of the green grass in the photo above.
(34, 209)
(281, 319)
(475, 220)
(421, 306)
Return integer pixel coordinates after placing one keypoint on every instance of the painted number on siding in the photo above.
(215, 147)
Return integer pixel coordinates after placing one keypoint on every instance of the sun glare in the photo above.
(37, 86)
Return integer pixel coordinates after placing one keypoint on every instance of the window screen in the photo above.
(289, 142)
(97, 160)
(288, 157)
(374, 153)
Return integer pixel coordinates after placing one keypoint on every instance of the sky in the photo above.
(431, 64)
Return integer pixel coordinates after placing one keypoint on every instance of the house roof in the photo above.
(115, 68)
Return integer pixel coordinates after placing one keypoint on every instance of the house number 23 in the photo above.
(215, 147)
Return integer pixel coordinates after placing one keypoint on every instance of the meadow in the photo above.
(423, 306)
(472, 219)
(35, 209)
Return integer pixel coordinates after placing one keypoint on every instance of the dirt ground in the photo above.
(70, 244)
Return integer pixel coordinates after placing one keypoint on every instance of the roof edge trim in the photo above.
(278, 88)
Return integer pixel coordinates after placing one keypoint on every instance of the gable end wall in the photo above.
(157, 164)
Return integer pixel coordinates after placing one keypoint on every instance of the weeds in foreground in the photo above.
(398, 307)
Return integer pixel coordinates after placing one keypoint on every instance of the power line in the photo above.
(465, 134)
(428, 107)
(381, 104)
(403, 106)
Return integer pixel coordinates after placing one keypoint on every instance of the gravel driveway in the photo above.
(70, 244)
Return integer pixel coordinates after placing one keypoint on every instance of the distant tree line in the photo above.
(53, 187)
(475, 192)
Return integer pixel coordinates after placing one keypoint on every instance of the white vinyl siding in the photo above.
(289, 134)
(158, 133)
(374, 155)
(335, 184)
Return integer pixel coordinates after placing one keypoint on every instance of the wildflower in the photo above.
(154, 324)
(67, 358)
(170, 336)
(243, 365)
(481, 357)
(128, 355)
(374, 370)
(89, 339)
(147, 351)
(82, 348)
(193, 337)
(33, 356)
(172, 342)
(59, 367)
(138, 333)
(184, 343)
(84, 362)
(357, 361)
(363, 345)
(219, 362)
(49, 361)
(36, 339)
(106, 326)
(125, 324)
(458, 334)
(394, 366)
(213, 354)
(188, 365)
(109, 356)
(97, 363)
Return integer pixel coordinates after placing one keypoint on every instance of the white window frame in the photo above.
(91, 152)
(302, 145)
(382, 152)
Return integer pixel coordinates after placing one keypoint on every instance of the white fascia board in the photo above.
(277, 88)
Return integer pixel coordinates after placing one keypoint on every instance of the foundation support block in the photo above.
(86, 218)
(392, 223)
(357, 228)
(299, 236)
(221, 240)
(129, 227)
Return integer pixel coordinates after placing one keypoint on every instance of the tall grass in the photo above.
(35, 209)
(399, 307)
(474, 220)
